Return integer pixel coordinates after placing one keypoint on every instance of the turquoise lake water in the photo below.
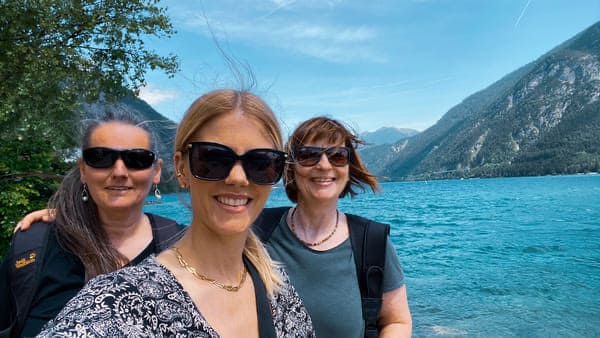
(506, 257)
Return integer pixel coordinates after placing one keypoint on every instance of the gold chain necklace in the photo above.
(293, 226)
(184, 264)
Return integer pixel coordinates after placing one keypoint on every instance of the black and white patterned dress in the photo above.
(146, 300)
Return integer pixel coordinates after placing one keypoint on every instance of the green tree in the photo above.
(54, 56)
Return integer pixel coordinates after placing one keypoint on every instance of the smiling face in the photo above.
(322, 182)
(118, 189)
(227, 206)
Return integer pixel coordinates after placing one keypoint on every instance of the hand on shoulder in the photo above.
(44, 215)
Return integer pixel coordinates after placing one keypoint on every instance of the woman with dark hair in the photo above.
(99, 224)
(218, 280)
(313, 239)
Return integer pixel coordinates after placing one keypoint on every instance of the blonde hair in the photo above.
(217, 103)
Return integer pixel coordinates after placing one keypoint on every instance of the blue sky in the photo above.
(376, 63)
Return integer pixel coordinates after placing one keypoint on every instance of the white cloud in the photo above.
(328, 41)
(154, 96)
(338, 34)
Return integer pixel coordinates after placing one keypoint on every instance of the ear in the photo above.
(157, 170)
(81, 165)
(181, 174)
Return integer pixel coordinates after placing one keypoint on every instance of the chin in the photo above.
(123, 205)
(233, 229)
(238, 224)
(327, 196)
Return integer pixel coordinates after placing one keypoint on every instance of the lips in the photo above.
(118, 188)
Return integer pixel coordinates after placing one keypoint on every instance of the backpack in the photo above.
(26, 257)
(369, 241)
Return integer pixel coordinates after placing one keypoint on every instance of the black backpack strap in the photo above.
(266, 328)
(27, 252)
(267, 221)
(166, 230)
(369, 242)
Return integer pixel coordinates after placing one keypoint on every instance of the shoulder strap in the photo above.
(167, 231)
(369, 241)
(267, 221)
(266, 328)
(26, 258)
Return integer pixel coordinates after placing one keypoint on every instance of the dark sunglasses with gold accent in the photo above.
(309, 156)
(213, 162)
(135, 159)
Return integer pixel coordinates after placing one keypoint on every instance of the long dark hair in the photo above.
(77, 224)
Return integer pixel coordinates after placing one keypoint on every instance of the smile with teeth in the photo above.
(323, 179)
(232, 201)
(118, 188)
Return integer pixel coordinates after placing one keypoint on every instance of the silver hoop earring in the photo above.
(157, 192)
(85, 196)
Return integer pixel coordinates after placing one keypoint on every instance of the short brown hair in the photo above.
(335, 132)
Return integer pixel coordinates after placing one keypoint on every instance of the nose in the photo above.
(237, 175)
(119, 168)
(324, 162)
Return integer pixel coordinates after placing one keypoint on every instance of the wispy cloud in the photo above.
(396, 102)
(522, 13)
(338, 43)
(328, 42)
(154, 95)
(356, 95)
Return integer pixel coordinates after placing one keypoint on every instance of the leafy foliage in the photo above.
(54, 56)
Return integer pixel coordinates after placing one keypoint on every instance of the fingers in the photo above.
(17, 228)
(44, 215)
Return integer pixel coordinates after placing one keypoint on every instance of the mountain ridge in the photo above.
(539, 119)
(385, 135)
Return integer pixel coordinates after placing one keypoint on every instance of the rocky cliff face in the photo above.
(541, 119)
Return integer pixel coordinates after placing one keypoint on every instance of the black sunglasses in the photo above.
(136, 159)
(213, 162)
(309, 156)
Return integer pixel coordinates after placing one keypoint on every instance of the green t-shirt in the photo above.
(327, 282)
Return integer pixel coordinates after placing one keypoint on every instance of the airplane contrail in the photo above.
(280, 6)
(522, 13)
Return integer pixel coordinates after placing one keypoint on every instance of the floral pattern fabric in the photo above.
(146, 300)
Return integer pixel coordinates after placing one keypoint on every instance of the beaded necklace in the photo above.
(293, 226)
